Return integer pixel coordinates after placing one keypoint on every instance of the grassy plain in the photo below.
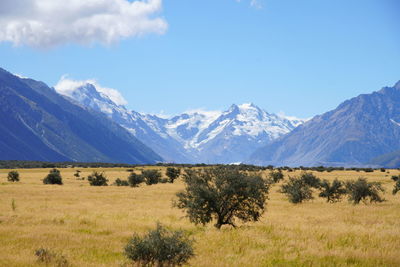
(91, 225)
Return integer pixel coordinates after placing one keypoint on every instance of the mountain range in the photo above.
(193, 137)
(38, 122)
(362, 131)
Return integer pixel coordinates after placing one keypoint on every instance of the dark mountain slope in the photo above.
(357, 131)
(39, 124)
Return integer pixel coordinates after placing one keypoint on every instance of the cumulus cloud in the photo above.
(66, 86)
(48, 23)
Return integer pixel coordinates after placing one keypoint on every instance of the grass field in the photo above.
(90, 226)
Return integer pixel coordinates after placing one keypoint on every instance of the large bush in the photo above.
(333, 192)
(54, 177)
(13, 176)
(135, 180)
(151, 176)
(97, 179)
(362, 190)
(160, 247)
(223, 194)
(173, 173)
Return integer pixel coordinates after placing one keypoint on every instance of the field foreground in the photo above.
(90, 226)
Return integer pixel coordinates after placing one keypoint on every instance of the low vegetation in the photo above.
(54, 177)
(98, 179)
(160, 247)
(13, 176)
(92, 227)
(362, 190)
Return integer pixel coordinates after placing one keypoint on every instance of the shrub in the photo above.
(297, 190)
(77, 174)
(362, 190)
(13, 176)
(396, 185)
(310, 179)
(160, 247)
(332, 192)
(54, 177)
(151, 176)
(164, 180)
(119, 182)
(223, 194)
(97, 179)
(173, 173)
(135, 180)
(46, 256)
(276, 176)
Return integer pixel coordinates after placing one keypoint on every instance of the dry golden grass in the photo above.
(91, 225)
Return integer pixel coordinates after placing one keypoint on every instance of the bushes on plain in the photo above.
(276, 176)
(333, 192)
(97, 179)
(362, 190)
(223, 194)
(151, 176)
(172, 173)
(13, 176)
(297, 190)
(396, 185)
(54, 177)
(135, 180)
(160, 247)
(119, 182)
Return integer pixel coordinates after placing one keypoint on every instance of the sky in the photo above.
(297, 57)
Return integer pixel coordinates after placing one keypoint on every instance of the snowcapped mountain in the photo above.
(197, 136)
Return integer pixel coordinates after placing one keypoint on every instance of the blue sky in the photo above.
(302, 58)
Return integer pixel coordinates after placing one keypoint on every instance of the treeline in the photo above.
(22, 164)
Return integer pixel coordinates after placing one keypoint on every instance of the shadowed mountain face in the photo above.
(36, 123)
(194, 137)
(356, 132)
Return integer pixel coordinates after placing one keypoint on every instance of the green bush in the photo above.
(160, 247)
(97, 179)
(54, 177)
(362, 190)
(297, 190)
(13, 176)
(119, 182)
(135, 180)
(396, 185)
(223, 194)
(173, 173)
(276, 176)
(151, 176)
(332, 192)
(310, 179)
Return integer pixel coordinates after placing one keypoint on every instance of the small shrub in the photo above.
(77, 174)
(396, 185)
(160, 247)
(54, 177)
(297, 190)
(276, 176)
(97, 179)
(151, 176)
(135, 180)
(119, 182)
(173, 173)
(164, 180)
(46, 256)
(13, 176)
(362, 190)
(332, 192)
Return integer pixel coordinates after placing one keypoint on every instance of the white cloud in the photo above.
(253, 3)
(66, 86)
(48, 23)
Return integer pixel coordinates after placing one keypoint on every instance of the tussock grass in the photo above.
(90, 226)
